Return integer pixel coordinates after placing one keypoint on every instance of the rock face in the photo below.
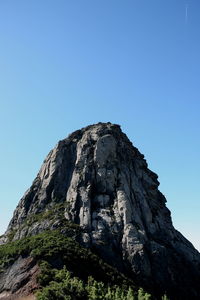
(109, 191)
(19, 279)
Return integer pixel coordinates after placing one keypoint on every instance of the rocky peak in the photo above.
(105, 186)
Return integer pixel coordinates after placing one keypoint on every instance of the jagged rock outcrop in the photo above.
(106, 187)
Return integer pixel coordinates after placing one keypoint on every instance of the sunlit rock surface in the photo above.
(107, 189)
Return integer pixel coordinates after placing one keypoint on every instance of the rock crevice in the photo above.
(107, 189)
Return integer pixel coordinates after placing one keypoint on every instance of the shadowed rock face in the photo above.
(109, 190)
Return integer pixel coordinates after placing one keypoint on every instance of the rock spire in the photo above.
(106, 188)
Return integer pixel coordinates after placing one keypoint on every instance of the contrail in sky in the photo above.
(186, 13)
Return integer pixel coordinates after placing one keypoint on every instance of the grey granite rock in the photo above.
(111, 193)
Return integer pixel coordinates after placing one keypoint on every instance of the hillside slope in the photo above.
(99, 181)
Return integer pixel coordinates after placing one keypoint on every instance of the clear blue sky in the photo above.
(66, 64)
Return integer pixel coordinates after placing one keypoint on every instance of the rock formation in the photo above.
(105, 185)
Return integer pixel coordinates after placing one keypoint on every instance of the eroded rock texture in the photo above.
(109, 190)
(19, 280)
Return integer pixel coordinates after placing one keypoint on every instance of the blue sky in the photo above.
(66, 64)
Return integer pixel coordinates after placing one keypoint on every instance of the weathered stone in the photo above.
(19, 280)
(109, 190)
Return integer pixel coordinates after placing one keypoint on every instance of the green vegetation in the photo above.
(52, 213)
(53, 246)
(68, 271)
(65, 286)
